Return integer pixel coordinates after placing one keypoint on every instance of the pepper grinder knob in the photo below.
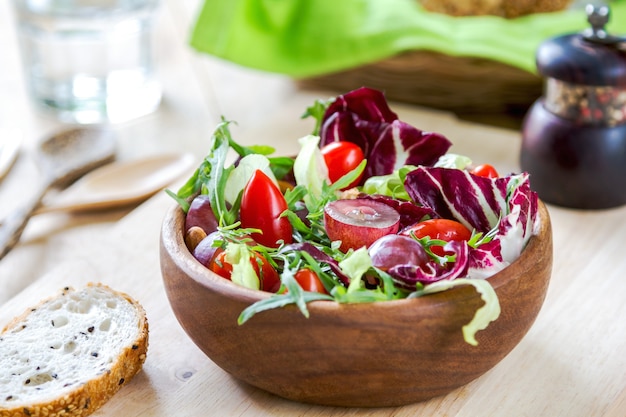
(598, 17)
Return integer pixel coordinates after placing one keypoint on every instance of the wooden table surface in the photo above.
(571, 363)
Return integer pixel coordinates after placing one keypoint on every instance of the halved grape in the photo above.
(392, 250)
(359, 222)
(201, 214)
(205, 251)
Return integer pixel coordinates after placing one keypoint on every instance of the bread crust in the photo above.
(92, 394)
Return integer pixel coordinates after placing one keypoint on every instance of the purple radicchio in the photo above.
(363, 117)
(506, 204)
(408, 275)
(520, 221)
(475, 201)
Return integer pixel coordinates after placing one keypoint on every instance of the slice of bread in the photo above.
(71, 353)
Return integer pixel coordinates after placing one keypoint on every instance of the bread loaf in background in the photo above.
(505, 8)
(71, 353)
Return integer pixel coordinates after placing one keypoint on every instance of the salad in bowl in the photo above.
(371, 209)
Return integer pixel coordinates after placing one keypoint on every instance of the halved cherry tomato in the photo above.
(219, 265)
(309, 281)
(262, 204)
(268, 277)
(342, 157)
(485, 170)
(440, 229)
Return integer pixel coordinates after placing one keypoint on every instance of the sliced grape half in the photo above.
(359, 222)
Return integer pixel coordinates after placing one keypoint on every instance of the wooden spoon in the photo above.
(63, 158)
(119, 184)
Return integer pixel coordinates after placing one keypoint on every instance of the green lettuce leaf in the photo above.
(489, 312)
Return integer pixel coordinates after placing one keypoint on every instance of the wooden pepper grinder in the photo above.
(574, 137)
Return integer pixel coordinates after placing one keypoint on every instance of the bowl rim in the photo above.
(172, 241)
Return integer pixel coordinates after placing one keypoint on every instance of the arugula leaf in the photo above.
(317, 110)
(279, 165)
(349, 177)
(279, 300)
(182, 202)
(193, 185)
(295, 295)
(294, 196)
(361, 295)
(215, 185)
(211, 176)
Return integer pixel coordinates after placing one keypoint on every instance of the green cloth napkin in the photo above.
(303, 38)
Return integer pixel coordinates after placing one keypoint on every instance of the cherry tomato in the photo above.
(268, 277)
(309, 281)
(440, 229)
(270, 281)
(262, 204)
(485, 170)
(342, 157)
(219, 265)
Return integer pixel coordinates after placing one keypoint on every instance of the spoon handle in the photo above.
(13, 226)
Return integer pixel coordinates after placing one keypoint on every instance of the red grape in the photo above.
(359, 222)
(201, 214)
(392, 250)
(204, 252)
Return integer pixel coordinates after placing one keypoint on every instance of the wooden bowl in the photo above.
(364, 355)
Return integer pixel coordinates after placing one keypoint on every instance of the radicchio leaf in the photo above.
(477, 202)
(485, 260)
(522, 197)
(363, 117)
(522, 221)
(506, 203)
(408, 275)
